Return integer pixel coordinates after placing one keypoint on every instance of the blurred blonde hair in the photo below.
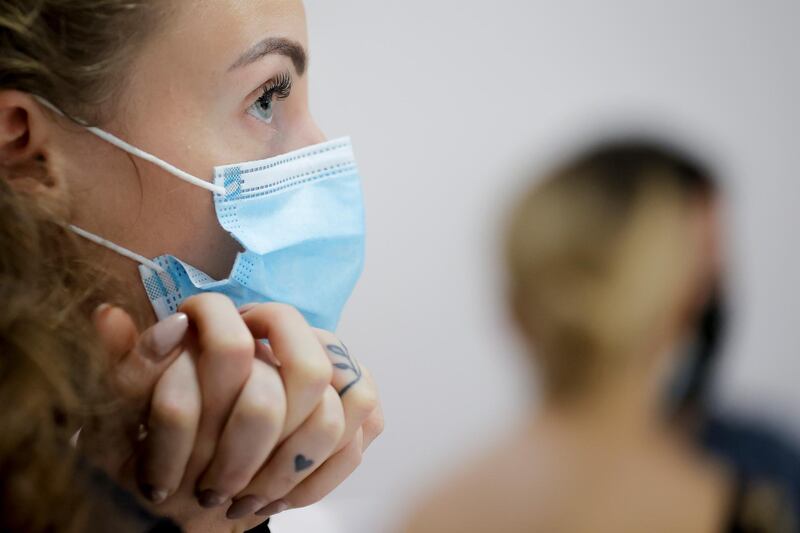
(598, 254)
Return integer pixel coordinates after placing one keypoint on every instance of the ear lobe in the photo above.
(24, 134)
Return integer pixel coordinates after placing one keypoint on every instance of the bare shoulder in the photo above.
(534, 484)
(500, 490)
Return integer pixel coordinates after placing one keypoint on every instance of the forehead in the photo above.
(217, 31)
(203, 38)
(185, 63)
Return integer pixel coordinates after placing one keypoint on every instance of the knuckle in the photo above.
(326, 337)
(374, 425)
(315, 373)
(331, 422)
(262, 409)
(281, 314)
(331, 427)
(205, 299)
(284, 309)
(352, 454)
(363, 401)
(232, 346)
(355, 458)
(172, 413)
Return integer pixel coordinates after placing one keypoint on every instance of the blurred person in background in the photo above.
(615, 281)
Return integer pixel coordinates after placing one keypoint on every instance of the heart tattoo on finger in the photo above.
(301, 463)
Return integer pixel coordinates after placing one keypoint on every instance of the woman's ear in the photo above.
(26, 146)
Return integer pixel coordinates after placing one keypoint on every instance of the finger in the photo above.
(172, 427)
(374, 424)
(138, 361)
(116, 336)
(373, 427)
(322, 482)
(295, 459)
(251, 433)
(358, 394)
(135, 364)
(264, 352)
(116, 331)
(226, 350)
(304, 367)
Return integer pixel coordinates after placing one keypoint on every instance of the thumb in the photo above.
(138, 361)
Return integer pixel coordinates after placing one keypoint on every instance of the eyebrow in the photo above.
(274, 45)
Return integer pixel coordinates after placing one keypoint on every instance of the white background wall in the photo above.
(447, 100)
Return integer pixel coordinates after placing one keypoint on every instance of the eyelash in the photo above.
(279, 87)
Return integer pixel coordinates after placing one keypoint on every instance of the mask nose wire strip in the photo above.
(141, 154)
(116, 248)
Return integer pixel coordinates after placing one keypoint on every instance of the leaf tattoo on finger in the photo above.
(348, 365)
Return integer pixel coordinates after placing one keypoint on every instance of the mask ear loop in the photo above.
(141, 154)
(117, 248)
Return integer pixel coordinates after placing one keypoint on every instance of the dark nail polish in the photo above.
(274, 508)
(210, 498)
(243, 507)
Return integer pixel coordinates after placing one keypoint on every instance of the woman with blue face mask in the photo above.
(179, 240)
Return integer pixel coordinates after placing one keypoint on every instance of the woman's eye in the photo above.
(279, 88)
(262, 108)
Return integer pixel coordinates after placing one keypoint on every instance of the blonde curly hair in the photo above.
(74, 54)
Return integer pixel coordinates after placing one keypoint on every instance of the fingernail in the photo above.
(101, 310)
(210, 498)
(153, 494)
(243, 507)
(264, 351)
(274, 508)
(161, 339)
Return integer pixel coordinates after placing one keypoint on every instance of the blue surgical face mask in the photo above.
(299, 218)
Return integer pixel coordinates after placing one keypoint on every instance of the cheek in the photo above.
(181, 221)
(105, 191)
(211, 249)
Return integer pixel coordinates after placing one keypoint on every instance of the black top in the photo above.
(760, 507)
(263, 528)
(115, 510)
(767, 466)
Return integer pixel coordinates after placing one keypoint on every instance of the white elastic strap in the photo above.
(116, 248)
(141, 154)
